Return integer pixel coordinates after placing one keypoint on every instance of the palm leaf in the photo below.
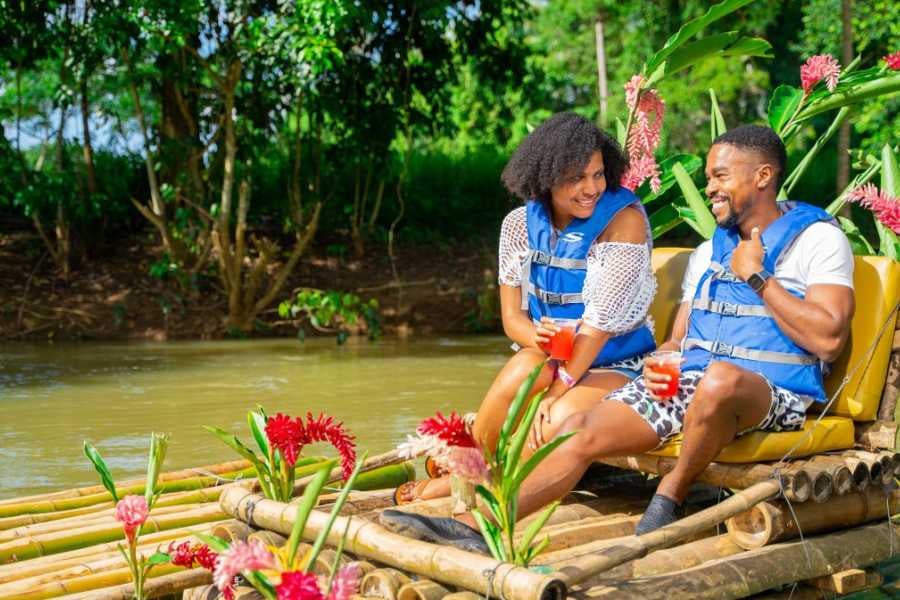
(534, 527)
(106, 478)
(705, 222)
(513, 413)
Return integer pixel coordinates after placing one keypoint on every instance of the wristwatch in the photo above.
(758, 280)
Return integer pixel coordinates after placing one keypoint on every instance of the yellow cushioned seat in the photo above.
(877, 284)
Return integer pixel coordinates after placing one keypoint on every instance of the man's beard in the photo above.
(732, 219)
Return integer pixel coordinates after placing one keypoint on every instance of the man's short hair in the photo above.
(760, 139)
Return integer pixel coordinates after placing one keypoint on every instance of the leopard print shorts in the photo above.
(786, 412)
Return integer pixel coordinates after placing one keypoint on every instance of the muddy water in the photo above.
(54, 396)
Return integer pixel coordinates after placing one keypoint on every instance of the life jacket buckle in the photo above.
(722, 348)
(541, 258)
(729, 309)
(553, 298)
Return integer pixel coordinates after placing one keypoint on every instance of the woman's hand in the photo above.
(536, 436)
(543, 331)
(654, 381)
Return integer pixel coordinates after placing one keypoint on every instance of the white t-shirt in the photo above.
(821, 254)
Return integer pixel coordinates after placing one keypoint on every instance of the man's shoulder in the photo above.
(822, 238)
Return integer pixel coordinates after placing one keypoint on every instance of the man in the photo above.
(765, 304)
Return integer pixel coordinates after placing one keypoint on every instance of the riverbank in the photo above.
(442, 289)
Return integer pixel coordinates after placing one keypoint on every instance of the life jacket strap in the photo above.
(731, 309)
(542, 258)
(550, 297)
(723, 349)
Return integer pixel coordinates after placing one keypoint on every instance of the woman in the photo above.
(579, 249)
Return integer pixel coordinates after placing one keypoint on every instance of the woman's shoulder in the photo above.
(629, 225)
(514, 221)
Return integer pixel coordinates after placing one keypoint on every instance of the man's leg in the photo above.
(728, 400)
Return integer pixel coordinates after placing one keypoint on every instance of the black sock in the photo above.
(661, 511)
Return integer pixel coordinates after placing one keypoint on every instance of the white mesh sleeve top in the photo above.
(618, 287)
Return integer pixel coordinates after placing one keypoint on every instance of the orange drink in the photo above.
(668, 363)
(560, 345)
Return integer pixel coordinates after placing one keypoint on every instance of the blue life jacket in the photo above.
(730, 322)
(553, 276)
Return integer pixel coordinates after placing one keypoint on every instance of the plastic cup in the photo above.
(560, 345)
(666, 362)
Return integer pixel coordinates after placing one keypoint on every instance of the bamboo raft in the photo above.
(810, 526)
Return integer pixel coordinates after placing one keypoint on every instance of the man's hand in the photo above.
(747, 258)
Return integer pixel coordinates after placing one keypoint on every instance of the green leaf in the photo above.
(888, 243)
(535, 459)
(843, 96)
(96, 459)
(215, 543)
(490, 500)
(890, 172)
(784, 103)
(664, 219)
(519, 439)
(492, 536)
(705, 221)
(722, 44)
(621, 134)
(858, 242)
(262, 470)
(513, 412)
(338, 505)
(534, 527)
(159, 445)
(256, 419)
(692, 28)
(536, 550)
(690, 162)
(807, 160)
(158, 558)
(716, 120)
(306, 505)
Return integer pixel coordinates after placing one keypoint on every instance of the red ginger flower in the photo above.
(450, 430)
(188, 556)
(893, 61)
(289, 436)
(241, 556)
(817, 68)
(643, 135)
(886, 208)
(132, 512)
(297, 585)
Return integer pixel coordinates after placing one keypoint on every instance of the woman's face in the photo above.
(576, 196)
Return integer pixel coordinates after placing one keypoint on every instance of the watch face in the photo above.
(757, 281)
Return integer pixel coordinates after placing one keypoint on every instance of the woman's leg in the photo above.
(584, 396)
(491, 415)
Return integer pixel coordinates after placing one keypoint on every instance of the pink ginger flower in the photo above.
(643, 136)
(467, 463)
(297, 585)
(132, 512)
(893, 61)
(242, 556)
(817, 68)
(346, 582)
(886, 208)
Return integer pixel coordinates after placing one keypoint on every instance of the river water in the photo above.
(52, 397)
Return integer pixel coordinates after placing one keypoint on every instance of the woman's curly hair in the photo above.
(557, 148)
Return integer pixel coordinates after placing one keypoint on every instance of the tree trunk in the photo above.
(86, 143)
(843, 149)
(601, 70)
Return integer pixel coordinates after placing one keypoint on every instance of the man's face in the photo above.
(733, 182)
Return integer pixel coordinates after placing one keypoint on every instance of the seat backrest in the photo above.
(876, 282)
(669, 265)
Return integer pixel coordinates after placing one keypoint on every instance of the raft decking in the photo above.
(834, 483)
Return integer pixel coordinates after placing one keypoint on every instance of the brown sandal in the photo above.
(433, 469)
(410, 487)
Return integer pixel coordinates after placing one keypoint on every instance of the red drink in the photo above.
(667, 363)
(560, 345)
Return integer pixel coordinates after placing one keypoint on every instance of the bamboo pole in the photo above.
(735, 476)
(387, 459)
(383, 583)
(154, 587)
(371, 541)
(422, 590)
(859, 471)
(84, 583)
(822, 482)
(755, 571)
(638, 546)
(770, 522)
(842, 478)
(60, 541)
(203, 592)
(47, 564)
(883, 472)
(574, 534)
(668, 560)
(205, 470)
